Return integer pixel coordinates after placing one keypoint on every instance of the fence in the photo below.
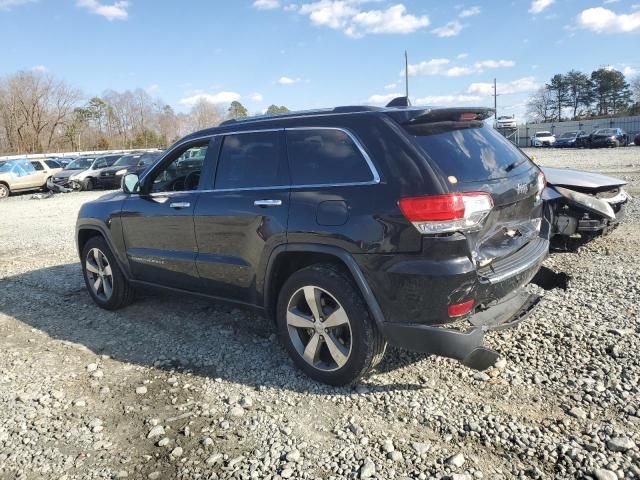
(631, 125)
(74, 154)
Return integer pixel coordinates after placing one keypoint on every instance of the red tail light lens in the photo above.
(459, 309)
(447, 213)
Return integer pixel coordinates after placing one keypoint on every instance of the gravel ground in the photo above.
(180, 388)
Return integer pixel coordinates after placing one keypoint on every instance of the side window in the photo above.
(183, 173)
(22, 169)
(37, 165)
(101, 163)
(319, 157)
(251, 160)
(52, 164)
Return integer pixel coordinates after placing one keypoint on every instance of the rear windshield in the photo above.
(473, 152)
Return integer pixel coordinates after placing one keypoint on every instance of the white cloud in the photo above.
(383, 99)
(8, 4)
(447, 99)
(521, 85)
(470, 12)
(153, 89)
(451, 29)
(266, 4)
(115, 11)
(391, 86)
(394, 19)
(288, 80)
(462, 56)
(603, 20)
(494, 64)
(256, 97)
(292, 7)
(629, 71)
(538, 6)
(40, 68)
(460, 71)
(348, 16)
(434, 66)
(607, 2)
(221, 97)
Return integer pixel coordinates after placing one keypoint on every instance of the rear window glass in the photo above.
(250, 160)
(325, 156)
(474, 152)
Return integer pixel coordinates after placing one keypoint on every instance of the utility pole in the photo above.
(495, 98)
(406, 75)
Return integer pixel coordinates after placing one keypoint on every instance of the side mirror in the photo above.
(130, 183)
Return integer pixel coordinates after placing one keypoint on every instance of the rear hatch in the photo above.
(472, 156)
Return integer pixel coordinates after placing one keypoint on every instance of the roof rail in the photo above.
(301, 113)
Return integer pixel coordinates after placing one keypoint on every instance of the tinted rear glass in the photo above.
(476, 152)
(250, 160)
(322, 157)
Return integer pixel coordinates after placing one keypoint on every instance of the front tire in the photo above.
(326, 327)
(4, 191)
(87, 185)
(105, 282)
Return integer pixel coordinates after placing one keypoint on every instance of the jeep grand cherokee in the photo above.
(352, 227)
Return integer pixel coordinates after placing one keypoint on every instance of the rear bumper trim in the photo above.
(466, 347)
(517, 263)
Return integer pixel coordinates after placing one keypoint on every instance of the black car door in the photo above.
(158, 223)
(243, 216)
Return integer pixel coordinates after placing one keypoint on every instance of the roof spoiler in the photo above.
(413, 116)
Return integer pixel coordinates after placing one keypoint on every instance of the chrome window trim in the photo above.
(374, 172)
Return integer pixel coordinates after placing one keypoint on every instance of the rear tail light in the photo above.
(447, 213)
(459, 309)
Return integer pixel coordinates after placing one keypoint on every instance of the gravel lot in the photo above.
(181, 388)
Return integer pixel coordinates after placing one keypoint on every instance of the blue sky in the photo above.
(318, 53)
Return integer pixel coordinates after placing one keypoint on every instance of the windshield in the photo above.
(80, 164)
(127, 161)
(469, 151)
(569, 135)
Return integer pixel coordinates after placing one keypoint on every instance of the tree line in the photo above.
(40, 113)
(576, 95)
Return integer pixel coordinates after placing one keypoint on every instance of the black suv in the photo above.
(352, 227)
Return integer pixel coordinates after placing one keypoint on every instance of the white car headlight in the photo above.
(121, 172)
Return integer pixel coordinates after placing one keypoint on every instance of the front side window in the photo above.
(183, 173)
(37, 165)
(251, 160)
(52, 164)
(99, 163)
(325, 157)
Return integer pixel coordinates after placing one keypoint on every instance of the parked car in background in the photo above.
(312, 219)
(22, 175)
(637, 140)
(62, 178)
(88, 179)
(111, 177)
(570, 139)
(506, 122)
(608, 137)
(543, 139)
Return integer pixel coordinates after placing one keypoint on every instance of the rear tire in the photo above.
(340, 346)
(105, 282)
(4, 191)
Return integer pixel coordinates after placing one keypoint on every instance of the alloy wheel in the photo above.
(99, 274)
(319, 328)
(4, 191)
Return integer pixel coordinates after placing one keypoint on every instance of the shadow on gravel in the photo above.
(169, 332)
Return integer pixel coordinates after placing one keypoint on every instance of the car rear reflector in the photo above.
(459, 309)
(447, 213)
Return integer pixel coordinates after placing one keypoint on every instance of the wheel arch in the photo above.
(86, 231)
(287, 259)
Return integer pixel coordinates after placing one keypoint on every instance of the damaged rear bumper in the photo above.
(465, 346)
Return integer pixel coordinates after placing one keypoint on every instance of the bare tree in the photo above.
(204, 115)
(541, 106)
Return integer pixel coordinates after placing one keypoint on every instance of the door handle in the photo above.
(180, 205)
(267, 203)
